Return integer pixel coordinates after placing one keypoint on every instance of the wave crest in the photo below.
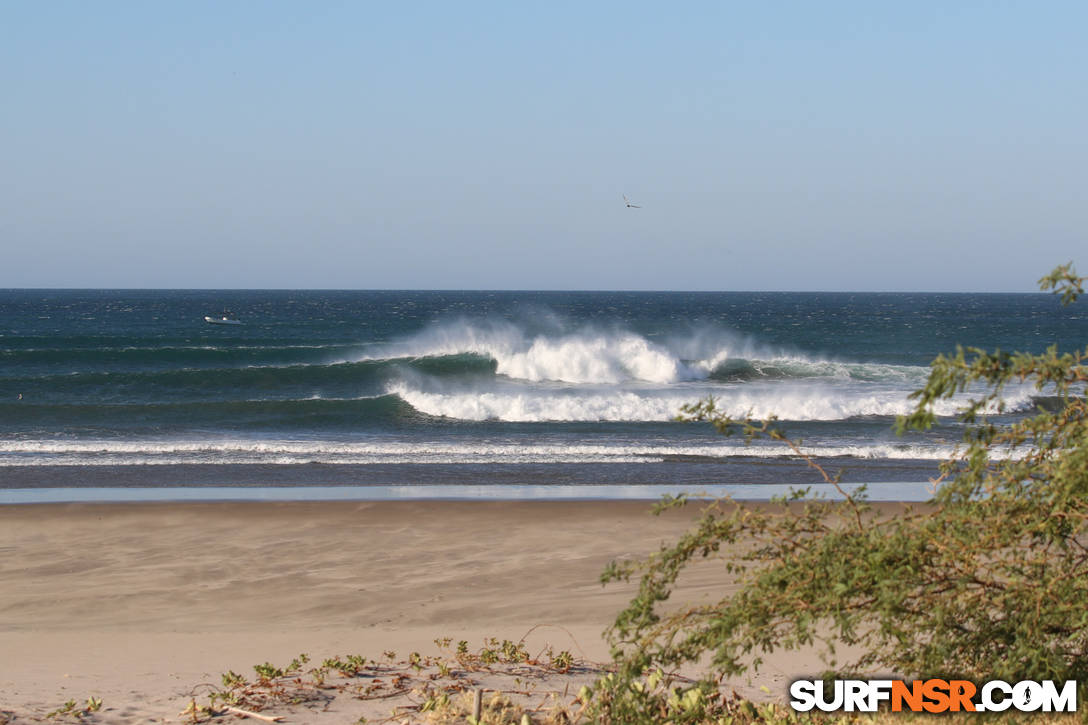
(591, 356)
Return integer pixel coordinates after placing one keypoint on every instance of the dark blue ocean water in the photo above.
(133, 388)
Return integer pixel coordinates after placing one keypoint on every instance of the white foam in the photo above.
(593, 359)
(243, 451)
(796, 402)
(542, 405)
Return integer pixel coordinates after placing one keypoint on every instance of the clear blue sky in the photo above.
(468, 145)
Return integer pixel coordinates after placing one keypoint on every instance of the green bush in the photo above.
(989, 580)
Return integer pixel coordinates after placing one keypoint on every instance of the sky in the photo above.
(922, 146)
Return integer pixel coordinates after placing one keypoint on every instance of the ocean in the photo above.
(483, 393)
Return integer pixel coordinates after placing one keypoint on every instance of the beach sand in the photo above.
(145, 605)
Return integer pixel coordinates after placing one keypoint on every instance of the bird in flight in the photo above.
(629, 204)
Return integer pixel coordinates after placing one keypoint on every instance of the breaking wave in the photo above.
(595, 357)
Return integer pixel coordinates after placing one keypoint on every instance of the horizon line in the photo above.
(509, 290)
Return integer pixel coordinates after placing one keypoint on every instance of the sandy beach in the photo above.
(145, 605)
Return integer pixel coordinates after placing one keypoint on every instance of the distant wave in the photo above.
(149, 357)
(256, 414)
(287, 452)
(273, 381)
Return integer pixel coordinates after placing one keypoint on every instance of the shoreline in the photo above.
(138, 604)
(915, 492)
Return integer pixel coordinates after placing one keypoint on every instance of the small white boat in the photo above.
(225, 319)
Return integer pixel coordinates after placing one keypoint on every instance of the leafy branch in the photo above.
(986, 581)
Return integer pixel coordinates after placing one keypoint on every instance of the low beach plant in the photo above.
(348, 666)
(495, 709)
(273, 686)
(71, 709)
(561, 662)
(512, 686)
(986, 581)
